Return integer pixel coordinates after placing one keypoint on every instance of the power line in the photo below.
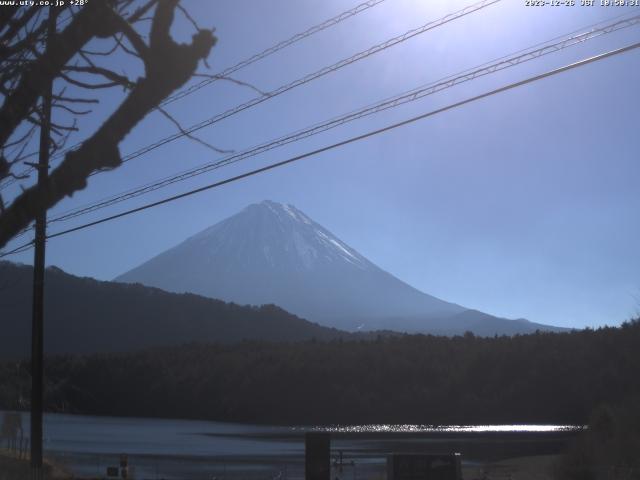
(271, 50)
(22, 248)
(357, 138)
(313, 76)
(308, 78)
(238, 66)
(272, 166)
(392, 102)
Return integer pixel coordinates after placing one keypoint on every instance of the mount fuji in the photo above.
(270, 253)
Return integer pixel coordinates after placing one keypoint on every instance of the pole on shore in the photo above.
(37, 324)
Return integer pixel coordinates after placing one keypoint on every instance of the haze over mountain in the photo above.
(274, 253)
(83, 315)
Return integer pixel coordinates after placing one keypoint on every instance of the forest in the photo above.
(89, 316)
(538, 378)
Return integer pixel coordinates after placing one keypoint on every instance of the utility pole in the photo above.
(37, 330)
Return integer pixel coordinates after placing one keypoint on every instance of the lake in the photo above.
(190, 449)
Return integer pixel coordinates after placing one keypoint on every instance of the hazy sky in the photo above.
(524, 204)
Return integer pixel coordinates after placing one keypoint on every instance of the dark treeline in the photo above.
(539, 378)
(608, 448)
(84, 316)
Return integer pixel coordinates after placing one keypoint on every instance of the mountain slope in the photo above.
(83, 315)
(274, 253)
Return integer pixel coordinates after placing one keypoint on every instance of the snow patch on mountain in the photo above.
(274, 253)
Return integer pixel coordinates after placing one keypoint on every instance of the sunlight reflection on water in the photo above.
(375, 428)
(199, 449)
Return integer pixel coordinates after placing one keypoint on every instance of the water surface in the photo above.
(194, 449)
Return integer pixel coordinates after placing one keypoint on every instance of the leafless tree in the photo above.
(29, 61)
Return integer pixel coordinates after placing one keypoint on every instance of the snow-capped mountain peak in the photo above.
(283, 234)
(274, 253)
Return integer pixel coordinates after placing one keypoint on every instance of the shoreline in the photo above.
(86, 445)
(530, 467)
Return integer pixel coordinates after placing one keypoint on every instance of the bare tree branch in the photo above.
(136, 41)
(17, 155)
(19, 140)
(189, 17)
(120, 43)
(189, 135)
(106, 73)
(102, 54)
(232, 80)
(75, 99)
(90, 86)
(15, 24)
(168, 66)
(71, 110)
(141, 11)
(94, 17)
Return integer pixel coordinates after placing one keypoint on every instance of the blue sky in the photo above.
(522, 205)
